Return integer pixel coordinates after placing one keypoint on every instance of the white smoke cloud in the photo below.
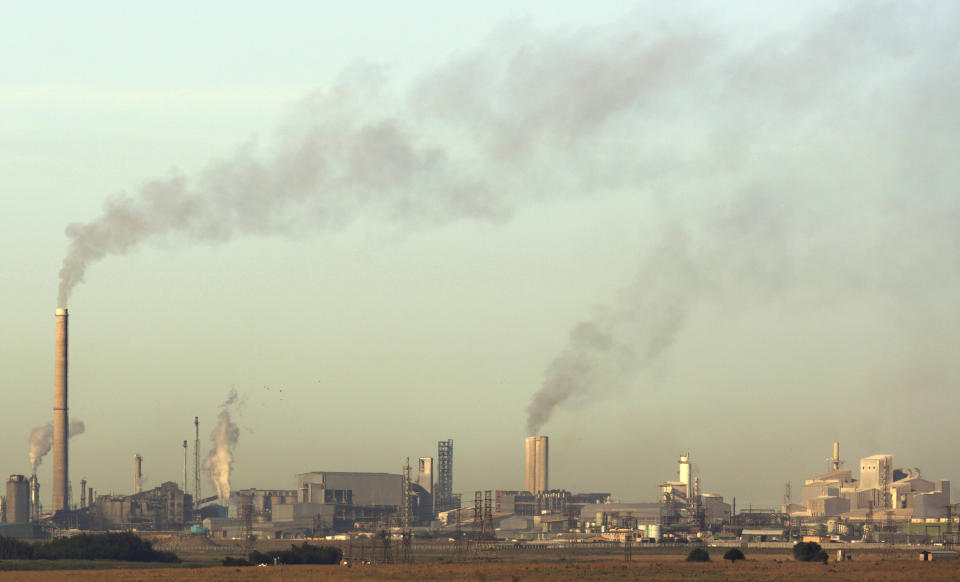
(220, 460)
(41, 441)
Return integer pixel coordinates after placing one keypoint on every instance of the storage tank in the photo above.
(653, 531)
(18, 499)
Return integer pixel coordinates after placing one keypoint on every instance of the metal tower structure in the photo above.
(477, 529)
(444, 494)
(405, 533)
(486, 526)
(196, 463)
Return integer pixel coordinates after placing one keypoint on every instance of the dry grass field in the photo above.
(667, 570)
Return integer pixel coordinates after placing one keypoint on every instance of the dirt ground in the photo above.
(768, 569)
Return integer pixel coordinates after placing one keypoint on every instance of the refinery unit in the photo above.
(883, 502)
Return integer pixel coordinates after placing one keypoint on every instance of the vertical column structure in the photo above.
(60, 421)
(543, 464)
(537, 465)
(445, 498)
(137, 474)
(530, 464)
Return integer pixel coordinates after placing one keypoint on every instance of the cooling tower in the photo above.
(60, 421)
(537, 464)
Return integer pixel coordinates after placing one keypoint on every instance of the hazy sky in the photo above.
(708, 227)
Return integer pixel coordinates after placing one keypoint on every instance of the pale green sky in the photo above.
(756, 208)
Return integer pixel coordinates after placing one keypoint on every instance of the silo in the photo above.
(18, 499)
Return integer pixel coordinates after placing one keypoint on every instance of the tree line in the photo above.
(108, 546)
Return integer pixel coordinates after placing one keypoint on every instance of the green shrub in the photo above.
(231, 561)
(698, 555)
(109, 546)
(809, 552)
(305, 554)
(734, 554)
(14, 549)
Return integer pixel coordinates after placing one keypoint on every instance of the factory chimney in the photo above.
(836, 456)
(137, 473)
(83, 493)
(184, 466)
(34, 498)
(60, 436)
(537, 464)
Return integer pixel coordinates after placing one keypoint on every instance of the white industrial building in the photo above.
(882, 491)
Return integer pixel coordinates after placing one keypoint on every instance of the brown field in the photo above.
(648, 568)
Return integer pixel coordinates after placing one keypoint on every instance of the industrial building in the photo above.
(882, 491)
(166, 507)
(537, 464)
(683, 504)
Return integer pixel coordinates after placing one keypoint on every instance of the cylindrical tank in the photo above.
(653, 531)
(18, 499)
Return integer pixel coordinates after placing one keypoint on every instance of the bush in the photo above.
(698, 555)
(14, 549)
(734, 554)
(231, 561)
(110, 546)
(809, 552)
(305, 554)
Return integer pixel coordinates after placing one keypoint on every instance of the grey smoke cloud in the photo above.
(463, 141)
(41, 441)
(219, 461)
(818, 187)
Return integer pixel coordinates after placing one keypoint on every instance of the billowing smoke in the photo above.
(220, 460)
(41, 441)
(802, 193)
(463, 141)
(606, 352)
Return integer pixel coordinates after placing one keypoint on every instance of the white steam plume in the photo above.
(41, 441)
(220, 460)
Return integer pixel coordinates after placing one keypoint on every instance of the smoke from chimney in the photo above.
(41, 441)
(220, 460)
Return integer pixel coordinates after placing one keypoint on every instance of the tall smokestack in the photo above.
(530, 466)
(60, 423)
(543, 463)
(137, 473)
(537, 463)
(836, 455)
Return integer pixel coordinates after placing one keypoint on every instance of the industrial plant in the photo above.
(882, 502)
